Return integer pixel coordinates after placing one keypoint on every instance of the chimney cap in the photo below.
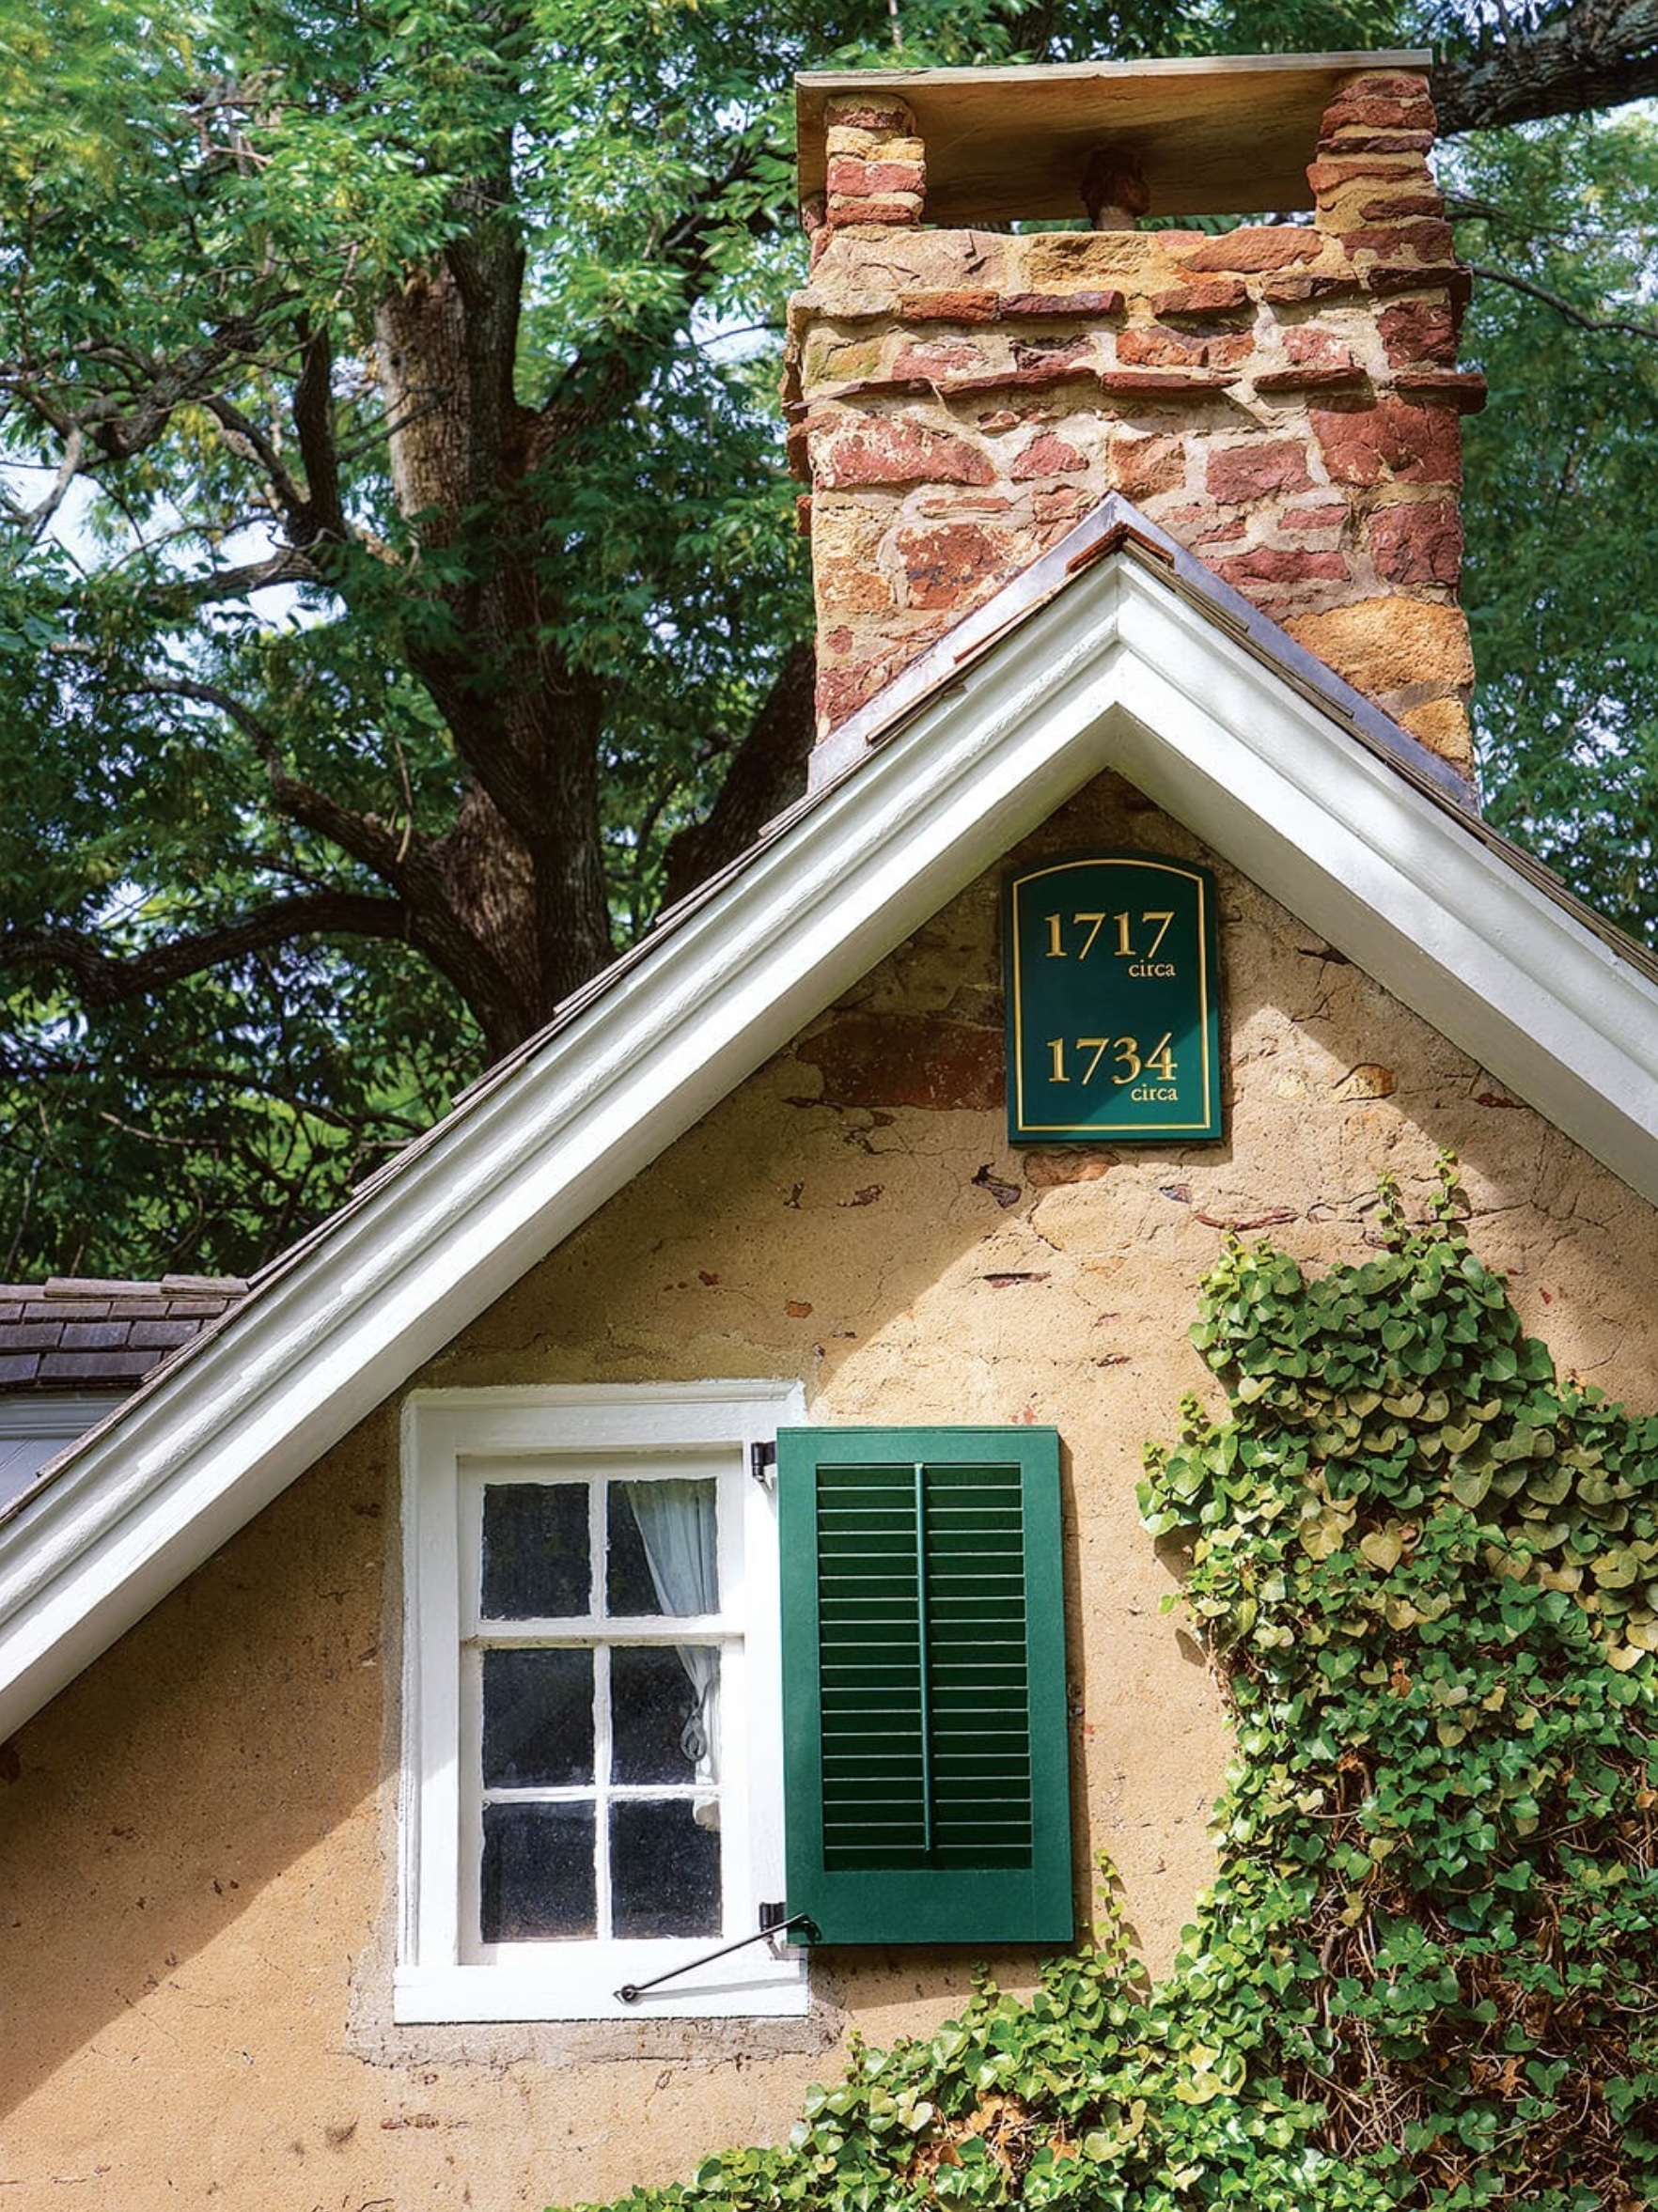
(1222, 135)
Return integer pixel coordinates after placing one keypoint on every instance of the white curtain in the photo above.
(679, 1528)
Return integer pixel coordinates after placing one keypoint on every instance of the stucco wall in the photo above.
(195, 1880)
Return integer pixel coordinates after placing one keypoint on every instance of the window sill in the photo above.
(579, 1983)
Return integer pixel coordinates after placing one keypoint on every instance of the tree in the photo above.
(401, 594)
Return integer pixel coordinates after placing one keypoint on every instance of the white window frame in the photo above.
(455, 1440)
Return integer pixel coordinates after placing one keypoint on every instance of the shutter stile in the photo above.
(928, 1785)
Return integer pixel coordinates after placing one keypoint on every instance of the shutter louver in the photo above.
(927, 1797)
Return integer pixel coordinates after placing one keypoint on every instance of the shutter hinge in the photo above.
(762, 1461)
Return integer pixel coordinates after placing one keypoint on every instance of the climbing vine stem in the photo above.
(1427, 1975)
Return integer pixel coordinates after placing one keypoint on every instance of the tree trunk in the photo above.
(523, 864)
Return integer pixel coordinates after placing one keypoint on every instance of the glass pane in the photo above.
(536, 1877)
(663, 1547)
(652, 1702)
(538, 1719)
(629, 1586)
(535, 1551)
(664, 1871)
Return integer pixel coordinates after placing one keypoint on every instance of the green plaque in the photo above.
(1113, 1004)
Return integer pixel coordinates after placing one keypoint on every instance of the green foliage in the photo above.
(1561, 583)
(1425, 1975)
(254, 658)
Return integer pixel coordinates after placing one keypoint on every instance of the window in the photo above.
(592, 1774)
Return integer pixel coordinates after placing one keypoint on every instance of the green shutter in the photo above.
(927, 1787)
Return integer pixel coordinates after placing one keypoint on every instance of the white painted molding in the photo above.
(1120, 670)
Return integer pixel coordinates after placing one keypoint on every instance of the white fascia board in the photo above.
(1392, 879)
(1119, 670)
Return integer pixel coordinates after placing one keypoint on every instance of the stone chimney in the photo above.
(1282, 398)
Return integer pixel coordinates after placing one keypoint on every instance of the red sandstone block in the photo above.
(882, 451)
(1464, 389)
(1037, 306)
(1311, 377)
(1052, 352)
(1392, 442)
(1160, 349)
(1379, 112)
(1453, 280)
(1047, 456)
(1162, 384)
(1255, 248)
(1422, 543)
(1425, 242)
(1142, 467)
(1385, 84)
(1361, 141)
(946, 562)
(861, 113)
(1157, 348)
(843, 214)
(1061, 503)
(840, 692)
(1313, 348)
(803, 515)
(1283, 566)
(1292, 287)
(1319, 361)
(1313, 517)
(849, 177)
(1220, 295)
(1188, 524)
(952, 306)
(937, 359)
(1396, 206)
(1330, 172)
(1419, 330)
(1237, 474)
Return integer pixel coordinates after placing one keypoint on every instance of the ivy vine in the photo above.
(1427, 1975)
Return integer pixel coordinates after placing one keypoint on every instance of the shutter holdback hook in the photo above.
(630, 1992)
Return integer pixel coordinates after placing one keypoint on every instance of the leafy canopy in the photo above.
(399, 585)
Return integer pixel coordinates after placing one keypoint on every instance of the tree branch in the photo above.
(1564, 307)
(767, 772)
(320, 513)
(111, 979)
(1592, 53)
(169, 385)
(285, 567)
